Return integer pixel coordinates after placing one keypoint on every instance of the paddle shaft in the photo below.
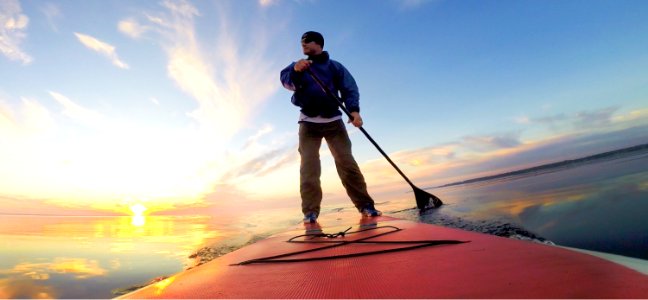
(346, 111)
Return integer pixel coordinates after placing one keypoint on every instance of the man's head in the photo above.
(312, 43)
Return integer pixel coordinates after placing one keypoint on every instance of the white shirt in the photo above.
(318, 119)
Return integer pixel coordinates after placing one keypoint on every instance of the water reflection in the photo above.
(138, 218)
(97, 254)
(162, 285)
(138, 221)
(599, 207)
(25, 289)
(80, 268)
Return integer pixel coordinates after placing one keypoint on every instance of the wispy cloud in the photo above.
(14, 287)
(81, 268)
(265, 3)
(488, 154)
(13, 30)
(258, 158)
(215, 79)
(264, 164)
(29, 118)
(75, 152)
(218, 79)
(78, 113)
(265, 130)
(596, 118)
(102, 48)
(131, 28)
(491, 142)
(639, 116)
(412, 4)
(53, 15)
(584, 119)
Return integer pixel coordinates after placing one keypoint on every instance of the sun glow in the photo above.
(138, 215)
(80, 149)
(138, 209)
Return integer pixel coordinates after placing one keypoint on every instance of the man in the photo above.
(321, 117)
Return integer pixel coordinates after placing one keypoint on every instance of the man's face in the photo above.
(310, 47)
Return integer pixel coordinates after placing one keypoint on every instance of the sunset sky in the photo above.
(177, 105)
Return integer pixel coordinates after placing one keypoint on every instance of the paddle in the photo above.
(424, 200)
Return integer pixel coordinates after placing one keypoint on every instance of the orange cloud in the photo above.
(81, 268)
(11, 288)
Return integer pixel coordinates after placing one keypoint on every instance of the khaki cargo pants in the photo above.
(337, 138)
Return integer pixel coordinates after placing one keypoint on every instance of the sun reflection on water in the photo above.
(162, 285)
(50, 254)
(138, 219)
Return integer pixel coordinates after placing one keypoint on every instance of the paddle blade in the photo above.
(425, 200)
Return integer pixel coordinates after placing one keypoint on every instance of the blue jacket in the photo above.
(309, 95)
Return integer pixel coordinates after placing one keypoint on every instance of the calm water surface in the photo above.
(599, 206)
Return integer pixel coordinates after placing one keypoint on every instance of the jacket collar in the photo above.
(321, 58)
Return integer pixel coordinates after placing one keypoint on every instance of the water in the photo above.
(92, 257)
(598, 205)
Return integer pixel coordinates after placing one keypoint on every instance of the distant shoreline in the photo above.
(614, 154)
(66, 216)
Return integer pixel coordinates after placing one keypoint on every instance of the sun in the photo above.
(138, 218)
(137, 209)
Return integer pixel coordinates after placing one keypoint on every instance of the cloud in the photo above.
(550, 119)
(81, 268)
(23, 123)
(107, 159)
(73, 153)
(52, 14)
(489, 154)
(78, 113)
(102, 48)
(638, 116)
(585, 132)
(265, 3)
(131, 28)
(257, 159)
(13, 288)
(454, 150)
(182, 8)
(265, 130)
(13, 27)
(263, 164)
(412, 4)
(217, 79)
(587, 119)
(597, 118)
(522, 119)
(492, 142)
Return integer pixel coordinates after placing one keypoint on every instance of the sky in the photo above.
(176, 106)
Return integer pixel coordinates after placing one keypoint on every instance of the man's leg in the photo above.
(310, 140)
(339, 143)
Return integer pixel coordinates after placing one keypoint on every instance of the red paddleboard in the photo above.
(384, 257)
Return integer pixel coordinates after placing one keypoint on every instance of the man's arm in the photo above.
(291, 76)
(290, 79)
(350, 94)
